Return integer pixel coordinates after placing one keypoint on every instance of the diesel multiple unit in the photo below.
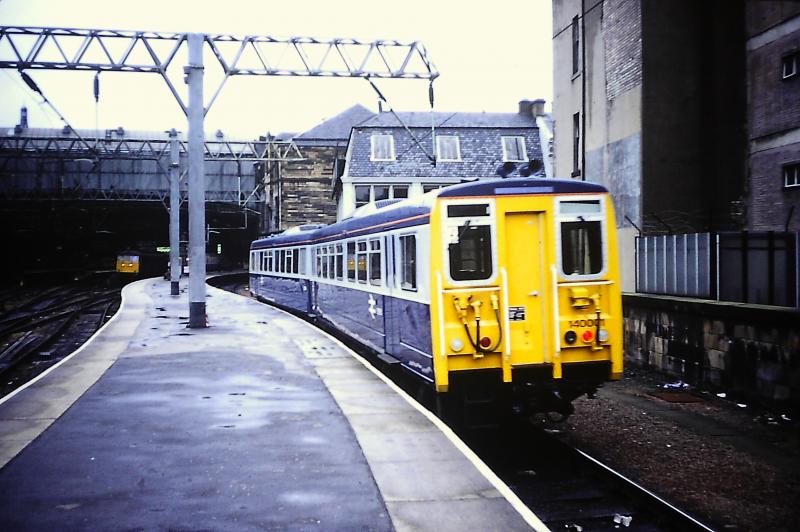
(505, 285)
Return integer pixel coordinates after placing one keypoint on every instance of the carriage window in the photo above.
(375, 262)
(361, 260)
(408, 262)
(471, 254)
(268, 257)
(339, 262)
(351, 261)
(331, 261)
(301, 261)
(289, 265)
(581, 248)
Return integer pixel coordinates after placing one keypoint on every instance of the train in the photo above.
(141, 263)
(498, 291)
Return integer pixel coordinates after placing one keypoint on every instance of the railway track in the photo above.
(40, 326)
(565, 487)
(568, 489)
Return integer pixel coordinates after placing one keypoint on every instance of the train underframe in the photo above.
(479, 399)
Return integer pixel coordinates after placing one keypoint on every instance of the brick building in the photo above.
(650, 100)
(773, 88)
(301, 192)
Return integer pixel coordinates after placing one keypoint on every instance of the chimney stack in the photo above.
(537, 107)
(525, 107)
(23, 117)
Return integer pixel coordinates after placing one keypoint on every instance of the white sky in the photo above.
(490, 56)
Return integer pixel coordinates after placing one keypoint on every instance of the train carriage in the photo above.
(510, 285)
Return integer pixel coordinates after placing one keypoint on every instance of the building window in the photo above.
(514, 149)
(408, 262)
(448, 148)
(576, 46)
(367, 193)
(429, 187)
(380, 192)
(791, 175)
(576, 144)
(362, 195)
(382, 148)
(789, 65)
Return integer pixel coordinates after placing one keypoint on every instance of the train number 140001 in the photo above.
(573, 324)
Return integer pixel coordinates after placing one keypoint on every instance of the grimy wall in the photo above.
(750, 351)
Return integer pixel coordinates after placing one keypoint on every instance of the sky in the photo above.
(489, 55)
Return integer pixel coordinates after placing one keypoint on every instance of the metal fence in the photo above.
(747, 267)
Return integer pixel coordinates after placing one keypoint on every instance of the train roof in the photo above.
(411, 212)
(521, 185)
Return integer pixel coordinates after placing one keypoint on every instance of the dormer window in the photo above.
(382, 148)
(448, 148)
(514, 149)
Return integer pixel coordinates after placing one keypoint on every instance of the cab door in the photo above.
(526, 287)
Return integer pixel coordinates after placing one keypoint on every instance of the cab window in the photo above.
(581, 237)
(581, 248)
(471, 253)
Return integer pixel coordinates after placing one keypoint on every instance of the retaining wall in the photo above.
(750, 351)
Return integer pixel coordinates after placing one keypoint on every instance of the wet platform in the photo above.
(260, 421)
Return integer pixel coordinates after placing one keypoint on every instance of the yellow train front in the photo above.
(139, 264)
(525, 298)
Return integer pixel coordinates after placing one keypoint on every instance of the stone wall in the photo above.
(307, 188)
(749, 351)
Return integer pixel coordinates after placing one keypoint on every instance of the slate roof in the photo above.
(336, 128)
(479, 138)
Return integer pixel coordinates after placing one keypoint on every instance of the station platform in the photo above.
(260, 421)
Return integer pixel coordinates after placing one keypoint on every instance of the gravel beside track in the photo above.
(733, 467)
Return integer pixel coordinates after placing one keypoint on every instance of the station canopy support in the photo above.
(37, 48)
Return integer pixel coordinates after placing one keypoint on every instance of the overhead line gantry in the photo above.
(39, 48)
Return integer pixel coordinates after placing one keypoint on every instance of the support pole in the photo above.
(174, 213)
(197, 184)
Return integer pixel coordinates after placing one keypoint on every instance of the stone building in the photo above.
(650, 100)
(301, 192)
(392, 156)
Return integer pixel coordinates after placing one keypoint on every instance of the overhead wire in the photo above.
(34, 87)
(24, 88)
(431, 158)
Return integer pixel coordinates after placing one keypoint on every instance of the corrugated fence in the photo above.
(747, 267)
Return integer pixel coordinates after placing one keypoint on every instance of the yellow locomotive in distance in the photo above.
(502, 291)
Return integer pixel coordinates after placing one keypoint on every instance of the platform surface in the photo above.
(258, 422)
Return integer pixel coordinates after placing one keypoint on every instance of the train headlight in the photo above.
(570, 337)
(602, 335)
(456, 345)
(587, 336)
